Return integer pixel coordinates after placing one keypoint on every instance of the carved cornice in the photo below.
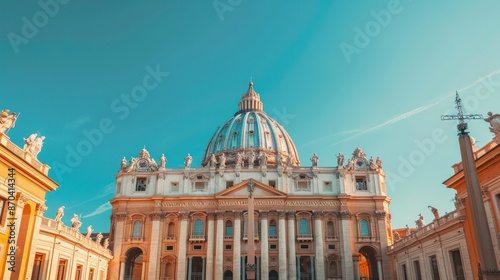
(40, 209)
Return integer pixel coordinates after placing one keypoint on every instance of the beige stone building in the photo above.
(310, 222)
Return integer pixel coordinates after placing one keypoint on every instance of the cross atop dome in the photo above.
(250, 101)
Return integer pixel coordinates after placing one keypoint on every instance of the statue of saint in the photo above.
(378, 162)
(434, 211)
(494, 120)
(222, 160)
(59, 214)
(289, 161)
(98, 238)
(279, 160)
(75, 223)
(315, 160)
(340, 160)
(106, 243)
(251, 158)
(28, 142)
(89, 231)
(163, 161)
(350, 164)
(213, 161)
(123, 164)
(396, 235)
(239, 160)
(33, 145)
(188, 160)
(420, 222)
(263, 159)
(7, 121)
(407, 231)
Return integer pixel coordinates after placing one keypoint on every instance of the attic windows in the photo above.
(140, 184)
(361, 183)
(302, 183)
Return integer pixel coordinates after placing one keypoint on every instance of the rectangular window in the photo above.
(272, 231)
(140, 185)
(197, 247)
(272, 183)
(229, 184)
(78, 274)
(327, 187)
(228, 247)
(302, 185)
(3, 210)
(418, 274)
(361, 184)
(434, 267)
(37, 267)
(174, 187)
(331, 247)
(170, 248)
(458, 269)
(199, 186)
(304, 247)
(118, 188)
(61, 269)
(273, 246)
(405, 275)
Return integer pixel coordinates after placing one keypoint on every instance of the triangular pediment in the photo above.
(260, 190)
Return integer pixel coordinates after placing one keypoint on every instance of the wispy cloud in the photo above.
(101, 209)
(388, 122)
(107, 190)
(329, 137)
(77, 123)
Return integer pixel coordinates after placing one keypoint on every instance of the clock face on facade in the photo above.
(360, 163)
(142, 164)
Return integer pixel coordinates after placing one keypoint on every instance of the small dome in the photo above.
(251, 130)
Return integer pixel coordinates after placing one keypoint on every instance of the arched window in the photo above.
(364, 229)
(272, 229)
(170, 230)
(137, 230)
(198, 228)
(330, 230)
(303, 226)
(229, 229)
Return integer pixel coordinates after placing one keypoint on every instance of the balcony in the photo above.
(197, 238)
(367, 239)
(255, 237)
(331, 238)
(227, 237)
(170, 238)
(136, 239)
(304, 237)
(273, 237)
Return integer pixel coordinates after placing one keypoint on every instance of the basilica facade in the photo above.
(251, 211)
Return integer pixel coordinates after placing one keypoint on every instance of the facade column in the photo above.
(203, 262)
(297, 265)
(282, 245)
(264, 249)
(219, 240)
(40, 209)
(181, 258)
(379, 268)
(320, 245)
(154, 254)
(210, 246)
(143, 271)
(237, 246)
(190, 265)
(355, 262)
(313, 275)
(292, 270)
(345, 245)
(116, 268)
(21, 201)
(382, 222)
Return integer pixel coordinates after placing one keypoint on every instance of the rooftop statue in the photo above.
(434, 211)
(494, 120)
(33, 144)
(222, 160)
(98, 238)
(251, 158)
(89, 231)
(59, 214)
(123, 164)
(188, 160)
(340, 159)
(7, 121)
(378, 162)
(213, 161)
(239, 160)
(163, 161)
(263, 159)
(420, 222)
(315, 160)
(75, 223)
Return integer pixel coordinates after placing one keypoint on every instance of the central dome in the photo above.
(251, 134)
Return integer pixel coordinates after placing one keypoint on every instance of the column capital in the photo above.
(318, 214)
(184, 215)
(290, 215)
(263, 214)
(281, 214)
(237, 214)
(119, 217)
(40, 209)
(155, 216)
(22, 199)
(380, 215)
(355, 258)
(210, 215)
(220, 215)
(344, 215)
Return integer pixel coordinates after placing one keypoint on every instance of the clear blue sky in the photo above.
(333, 88)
